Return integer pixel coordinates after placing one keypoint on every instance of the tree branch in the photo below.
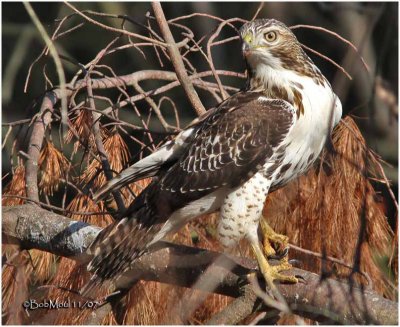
(51, 98)
(242, 307)
(177, 60)
(42, 120)
(33, 227)
(130, 79)
(105, 163)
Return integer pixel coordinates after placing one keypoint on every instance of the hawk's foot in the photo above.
(273, 273)
(275, 245)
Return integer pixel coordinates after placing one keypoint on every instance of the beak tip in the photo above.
(245, 48)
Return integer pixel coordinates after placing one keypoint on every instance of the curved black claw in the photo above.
(280, 255)
(301, 279)
(295, 262)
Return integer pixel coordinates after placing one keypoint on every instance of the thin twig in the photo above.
(268, 300)
(57, 61)
(41, 54)
(198, 14)
(17, 122)
(113, 29)
(171, 85)
(341, 38)
(229, 39)
(6, 136)
(52, 207)
(328, 59)
(100, 146)
(209, 55)
(332, 259)
(260, 7)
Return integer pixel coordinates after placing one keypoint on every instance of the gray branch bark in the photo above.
(325, 300)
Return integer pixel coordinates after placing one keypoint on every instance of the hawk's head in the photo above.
(271, 43)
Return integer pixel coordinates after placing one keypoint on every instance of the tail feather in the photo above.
(117, 247)
(115, 250)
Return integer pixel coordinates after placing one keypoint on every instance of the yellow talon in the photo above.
(273, 273)
(279, 241)
(272, 243)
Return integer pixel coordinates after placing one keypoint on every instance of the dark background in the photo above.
(372, 27)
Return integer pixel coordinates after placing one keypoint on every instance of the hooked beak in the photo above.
(245, 48)
(247, 44)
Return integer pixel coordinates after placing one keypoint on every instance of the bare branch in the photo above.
(260, 7)
(209, 55)
(100, 146)
(43, 119)
(113, 29)
(242, 307)
(57, 61)
(32, 227)
(177, 60)
(330, 60)
(46, 230)
(58, 209)
(329, 258)
(341, 38)
(6, 136)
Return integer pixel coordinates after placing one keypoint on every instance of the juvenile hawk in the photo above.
(230, 158)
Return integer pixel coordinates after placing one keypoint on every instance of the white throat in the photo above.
(315, 98)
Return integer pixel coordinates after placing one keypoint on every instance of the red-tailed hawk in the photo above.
(230, 158)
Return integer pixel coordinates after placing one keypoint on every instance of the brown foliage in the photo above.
(118, 155)
(15, 187)
(16, 279)
(53, 166)
(323, 210)
(81, 123)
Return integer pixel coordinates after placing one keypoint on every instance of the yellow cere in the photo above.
(248, 38)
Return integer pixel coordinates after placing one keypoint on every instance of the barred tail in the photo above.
(115, 249)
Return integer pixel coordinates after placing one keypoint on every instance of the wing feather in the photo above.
(147, 167)
(231, 143)
(225, 149)
(152, 164)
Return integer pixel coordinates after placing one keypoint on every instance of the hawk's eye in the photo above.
(270, 36)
